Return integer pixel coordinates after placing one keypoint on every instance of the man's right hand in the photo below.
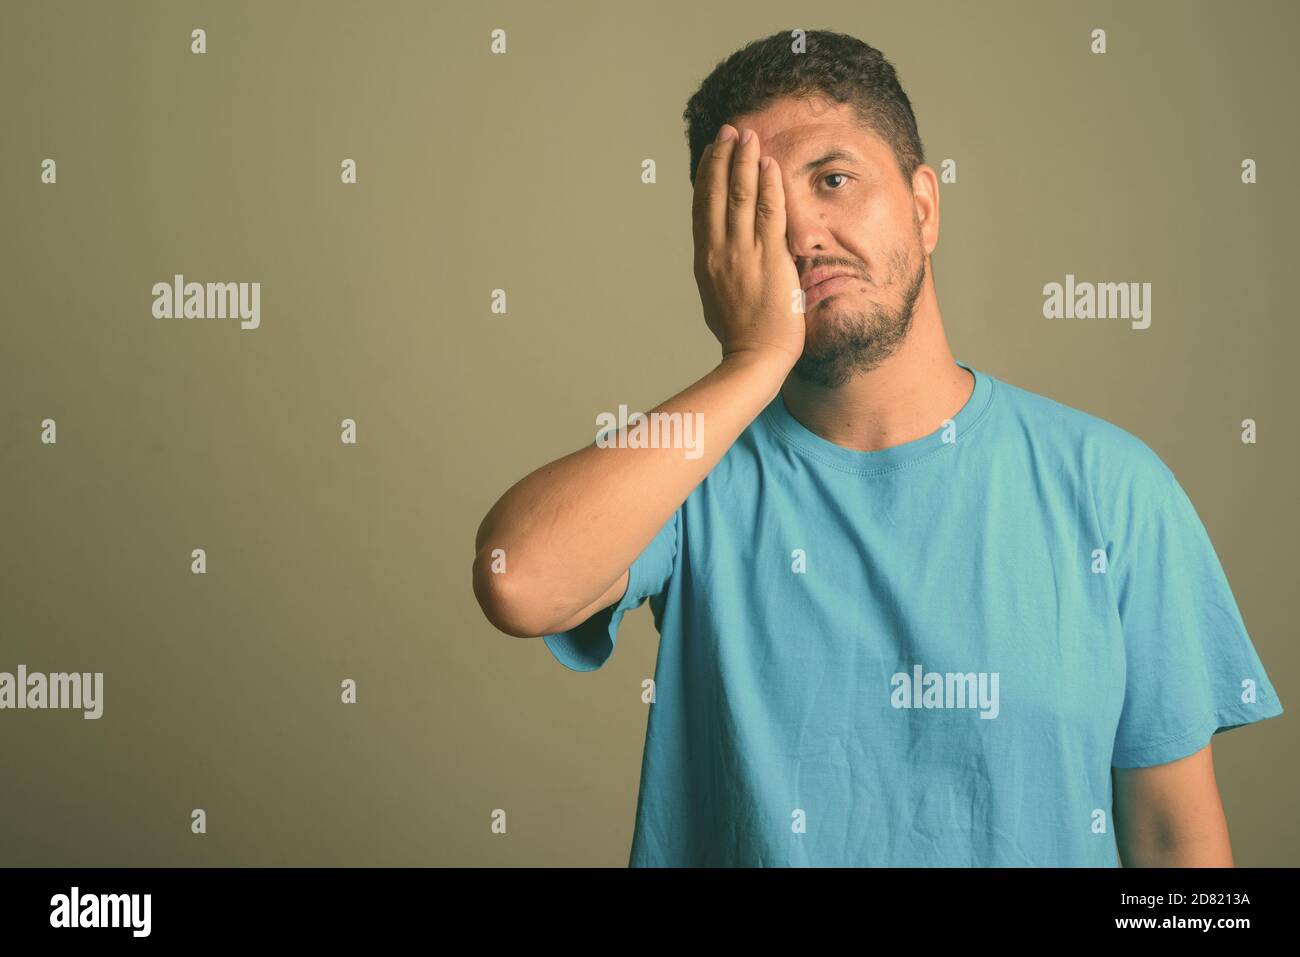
(747, 278)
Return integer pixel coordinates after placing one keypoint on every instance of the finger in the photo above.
(710, 203)
(769, 210)
(700, 227)
(743, 190)
(769, 216)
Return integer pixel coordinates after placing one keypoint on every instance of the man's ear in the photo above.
(925, 206)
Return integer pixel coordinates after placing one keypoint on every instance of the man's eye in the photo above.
(829, 175)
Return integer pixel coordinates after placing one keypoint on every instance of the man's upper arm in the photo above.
(613, 594)
(1191, 669)
(1171, 814)
(588, 640)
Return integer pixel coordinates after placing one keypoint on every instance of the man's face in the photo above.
(850, 212)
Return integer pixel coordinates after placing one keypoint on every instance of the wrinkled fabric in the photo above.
(927, 655)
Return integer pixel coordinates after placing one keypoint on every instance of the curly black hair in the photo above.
(835, 65)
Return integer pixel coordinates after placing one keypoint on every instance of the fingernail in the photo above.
(726, 133)
(749, 135)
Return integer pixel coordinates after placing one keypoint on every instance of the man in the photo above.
(910, 614)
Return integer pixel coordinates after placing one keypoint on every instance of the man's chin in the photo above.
(825, 370)
(830, 362)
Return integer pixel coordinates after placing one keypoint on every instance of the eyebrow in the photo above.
(835, 154)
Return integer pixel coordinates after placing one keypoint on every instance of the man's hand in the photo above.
(747, 278)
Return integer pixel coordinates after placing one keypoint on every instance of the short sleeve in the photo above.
(587, 646)
(1192, 670)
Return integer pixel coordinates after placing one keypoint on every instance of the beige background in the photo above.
(522, 171)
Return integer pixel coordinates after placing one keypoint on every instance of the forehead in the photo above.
(795, 130)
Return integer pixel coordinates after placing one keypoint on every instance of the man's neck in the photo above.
(905, 398)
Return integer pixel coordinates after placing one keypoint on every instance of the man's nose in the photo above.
(805, 229)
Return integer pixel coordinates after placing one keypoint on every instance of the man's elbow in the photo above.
(505, 605)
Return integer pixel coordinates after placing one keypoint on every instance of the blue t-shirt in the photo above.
(926, 655)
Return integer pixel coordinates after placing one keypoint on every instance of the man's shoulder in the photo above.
(1109, 453)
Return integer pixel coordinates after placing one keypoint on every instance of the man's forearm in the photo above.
(569, 530)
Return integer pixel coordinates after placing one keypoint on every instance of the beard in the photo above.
(850, 342)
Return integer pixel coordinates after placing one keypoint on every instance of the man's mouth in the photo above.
(827, 287)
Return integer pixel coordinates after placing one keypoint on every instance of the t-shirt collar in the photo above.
(794, 433)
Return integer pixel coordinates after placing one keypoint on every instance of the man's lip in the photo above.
(827, 287)
(816, 276)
